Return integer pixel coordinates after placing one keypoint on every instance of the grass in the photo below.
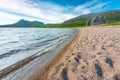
(74, 25)
(111, 24)
(63, 25)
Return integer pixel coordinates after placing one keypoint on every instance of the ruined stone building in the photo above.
(96, 21)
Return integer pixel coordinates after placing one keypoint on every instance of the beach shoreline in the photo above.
(92, 54)
(52, 62)
(39, 58)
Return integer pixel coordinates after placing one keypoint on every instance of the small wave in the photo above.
(40, 44)
(27, 49)
(45, 42)
(11, 52)
(7, 42)
(38, 38)
(13, 42)
(50, 39)
(29, 41)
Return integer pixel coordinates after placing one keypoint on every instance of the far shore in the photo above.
(92, 54)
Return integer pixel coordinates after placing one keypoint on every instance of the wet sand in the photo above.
(93, 54)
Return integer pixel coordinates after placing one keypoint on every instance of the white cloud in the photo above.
(83, 6)
(6, 18)
(99, 6)
(86, 11)
(46, 12)
(43, 11)
(90, 7)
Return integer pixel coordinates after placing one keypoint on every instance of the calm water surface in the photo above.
(19, 43)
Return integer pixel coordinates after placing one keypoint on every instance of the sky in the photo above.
(51, 11)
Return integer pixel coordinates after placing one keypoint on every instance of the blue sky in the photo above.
(51, 11)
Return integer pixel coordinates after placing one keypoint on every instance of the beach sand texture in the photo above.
(93, 54)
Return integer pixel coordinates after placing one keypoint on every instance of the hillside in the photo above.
(24, 23)
(110, 17)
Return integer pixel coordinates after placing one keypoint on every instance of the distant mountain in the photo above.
(23, 23)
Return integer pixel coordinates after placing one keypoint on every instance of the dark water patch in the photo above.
(63, 35)
(64, 74)
(45, 42)
(109, 61)
(28, 49)
(11, 52)
(98, 70)
(40, 44)
(2, 35)
(52, 39)
(13, 42)
(37, 38)
(41, 37)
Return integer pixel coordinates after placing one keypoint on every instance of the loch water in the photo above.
(18, 43)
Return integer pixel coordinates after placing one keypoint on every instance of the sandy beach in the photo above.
(92, 54)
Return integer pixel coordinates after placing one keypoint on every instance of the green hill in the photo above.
(111, 17)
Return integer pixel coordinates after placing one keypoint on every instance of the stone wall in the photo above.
(96, 21)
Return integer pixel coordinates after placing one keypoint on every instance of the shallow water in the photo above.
(19, 43)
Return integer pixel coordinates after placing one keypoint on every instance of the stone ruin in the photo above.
(96, 21)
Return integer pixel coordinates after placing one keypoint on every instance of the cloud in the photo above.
(44, 11)
(7, 18)
(90, 7)
(86, 5)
